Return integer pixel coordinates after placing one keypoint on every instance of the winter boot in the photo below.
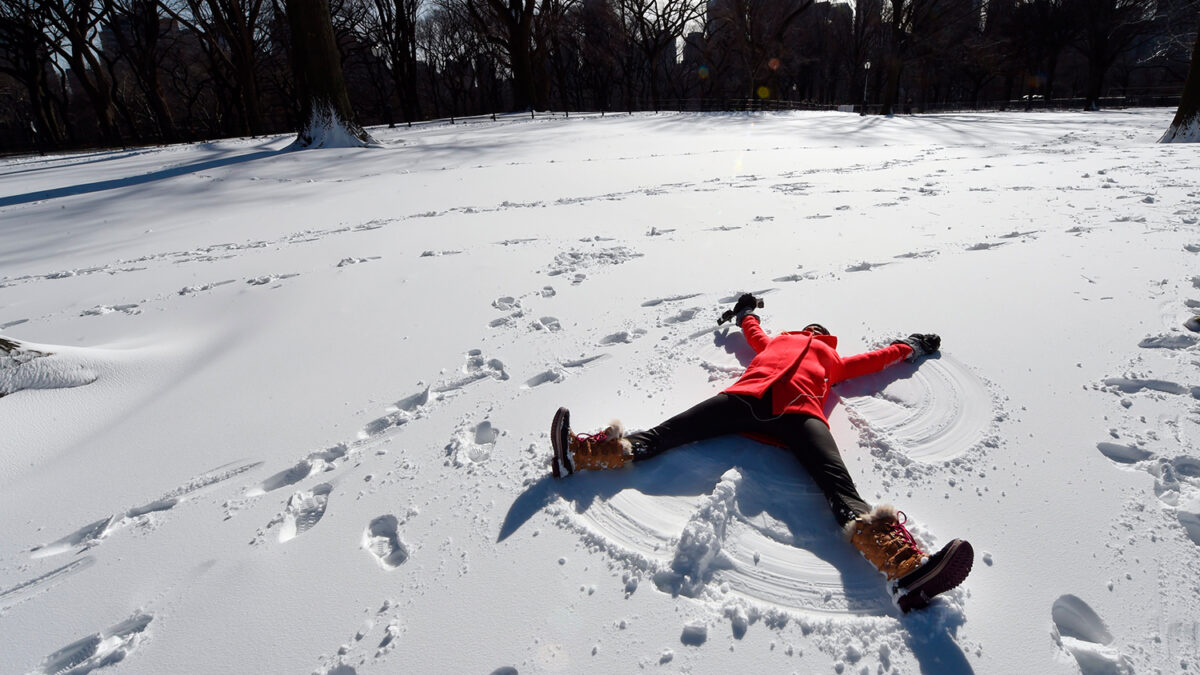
(914, 576)
(605, 450)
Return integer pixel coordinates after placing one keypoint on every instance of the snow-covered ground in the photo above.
(287, 412)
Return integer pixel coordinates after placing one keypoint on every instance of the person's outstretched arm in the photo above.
(747, 320)
(755, 335)
(908, 349)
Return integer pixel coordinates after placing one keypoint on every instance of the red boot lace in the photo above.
(903, 531)
(592, 438)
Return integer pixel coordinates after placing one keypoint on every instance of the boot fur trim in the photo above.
(617, 430)
(880, 512)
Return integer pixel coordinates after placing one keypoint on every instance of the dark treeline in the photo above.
(116, 72)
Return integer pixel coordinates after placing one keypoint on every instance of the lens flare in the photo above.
(764, 92)
(702, 71)
(773, 64)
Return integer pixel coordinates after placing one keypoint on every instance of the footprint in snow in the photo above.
(793, 278)
(314, 463)
(92, 534)
(864, 266)
(673, 298)
(1133, 385)
(551, 376)
(101, 310)
(1169, 341)
(400, 412)
(547, 323)
(1124, 454)
(304, 510)
(730, 299)
(27, 589)
(269, 278)
(476, 368)
(1080, 632)
(563, 370)
(98, 650)
(382, 539)
(1189, 516)
(473, 445)
(346, 262)
(506, 303)
(1176, 480)
(622, 337)
(87, 536)
(683, 316)
(192, 290)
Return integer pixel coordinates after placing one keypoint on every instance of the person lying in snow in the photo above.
(780, 400)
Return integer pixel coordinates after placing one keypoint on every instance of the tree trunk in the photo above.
(522, 67)
(98, 90)
(891, 92)
(326, 118)
(1185, 128)
(1095, 82)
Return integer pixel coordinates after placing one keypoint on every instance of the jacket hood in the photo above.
(830, 340)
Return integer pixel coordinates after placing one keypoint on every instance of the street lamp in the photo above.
(866, 72)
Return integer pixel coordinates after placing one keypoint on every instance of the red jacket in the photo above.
(798, 368)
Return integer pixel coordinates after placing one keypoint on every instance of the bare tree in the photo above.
(910, 25)
(508, 24)
(25, 56)
(863, 42)
(137, 27)
(392, 25)
(232, 31)
(653, 27)
(326, 117)
(757, 29)
(75, 24)
(600, 50)
(1108, 29)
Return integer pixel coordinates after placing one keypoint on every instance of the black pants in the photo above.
(806, 436)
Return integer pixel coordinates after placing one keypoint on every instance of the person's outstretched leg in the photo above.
(812, 443)
(914, 576)
(612, 448)
(717, 416)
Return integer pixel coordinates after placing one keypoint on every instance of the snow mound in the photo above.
(24, 366)
(1186, 133)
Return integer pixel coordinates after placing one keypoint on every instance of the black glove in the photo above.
(921, 343)
(745, 307)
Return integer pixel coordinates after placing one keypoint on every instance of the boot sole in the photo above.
(559, 432)
(951, 569)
